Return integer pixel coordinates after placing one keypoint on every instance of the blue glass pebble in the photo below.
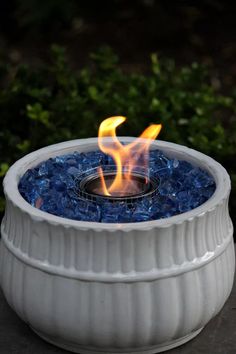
(52, 187)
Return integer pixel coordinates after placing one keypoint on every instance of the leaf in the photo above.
(37, 113)
(3, 168)
(155, 64)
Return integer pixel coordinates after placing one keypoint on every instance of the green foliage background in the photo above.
(52, 103)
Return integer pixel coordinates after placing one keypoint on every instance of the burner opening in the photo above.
(142, 186)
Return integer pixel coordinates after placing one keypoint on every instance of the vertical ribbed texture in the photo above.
(117, 315)
(106, 314)
(118, 252)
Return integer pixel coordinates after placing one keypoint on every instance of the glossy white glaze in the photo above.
(131, 288)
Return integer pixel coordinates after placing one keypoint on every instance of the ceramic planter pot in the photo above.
(117, 288)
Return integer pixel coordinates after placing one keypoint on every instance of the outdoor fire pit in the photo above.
(113, 273)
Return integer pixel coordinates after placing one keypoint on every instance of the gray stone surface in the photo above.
(218, 337)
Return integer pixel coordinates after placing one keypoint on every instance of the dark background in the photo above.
(202, 31)
(186, 31)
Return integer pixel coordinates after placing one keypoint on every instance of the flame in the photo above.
(126, 157)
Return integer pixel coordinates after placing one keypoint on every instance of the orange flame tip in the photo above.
(125, 156)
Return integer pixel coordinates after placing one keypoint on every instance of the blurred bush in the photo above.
(53, 103)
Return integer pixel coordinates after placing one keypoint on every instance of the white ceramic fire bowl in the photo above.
(117, 288)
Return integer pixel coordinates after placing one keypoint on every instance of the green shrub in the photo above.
(53, 103)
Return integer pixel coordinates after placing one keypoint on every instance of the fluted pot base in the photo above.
(150, 350)
(105, 288)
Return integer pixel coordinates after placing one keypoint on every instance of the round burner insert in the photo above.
(143, 186)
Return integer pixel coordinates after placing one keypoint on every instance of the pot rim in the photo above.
(15, 172)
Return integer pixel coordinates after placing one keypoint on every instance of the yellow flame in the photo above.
(125, 156)
(103, 183)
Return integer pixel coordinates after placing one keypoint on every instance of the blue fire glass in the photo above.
(52, 186)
